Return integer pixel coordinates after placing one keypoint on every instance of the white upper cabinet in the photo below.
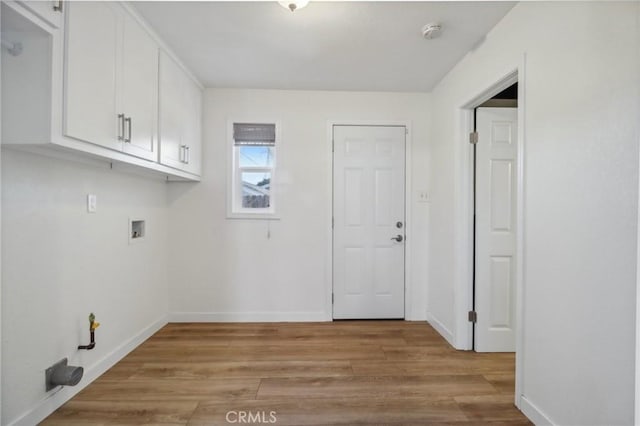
(171, 112)
(111, 79)
(139, 90)
(193, 128)
(94, 36)
(84, 83)
(180, 118)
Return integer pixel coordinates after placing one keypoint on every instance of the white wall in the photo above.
(581, 200)
(60, 263)
(227, 269)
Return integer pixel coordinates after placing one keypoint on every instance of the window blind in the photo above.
(254, 134)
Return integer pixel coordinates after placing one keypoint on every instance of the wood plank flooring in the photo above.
(340, 373)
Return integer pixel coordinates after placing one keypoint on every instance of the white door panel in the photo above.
(93, 36)
(368, 276)
(495, 229)
(139, 90)
(171, 114)
(193, 126)
(180, 114)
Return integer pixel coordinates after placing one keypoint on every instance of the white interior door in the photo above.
(495, 229)
(368, 233)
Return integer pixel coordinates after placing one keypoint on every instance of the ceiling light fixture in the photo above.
(431, 30)
(294, 5)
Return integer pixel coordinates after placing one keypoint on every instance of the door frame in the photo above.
(636, 407)
(464, 240)
(408, 307)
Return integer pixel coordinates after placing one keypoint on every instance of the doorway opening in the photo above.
(469, 312)
(494, 157)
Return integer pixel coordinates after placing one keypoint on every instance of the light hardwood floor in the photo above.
(346, 373)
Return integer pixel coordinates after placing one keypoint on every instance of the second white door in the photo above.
(495, 229)
(369, 222)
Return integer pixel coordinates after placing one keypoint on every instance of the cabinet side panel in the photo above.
(25, 81)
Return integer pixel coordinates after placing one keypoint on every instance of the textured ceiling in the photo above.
(361, 46)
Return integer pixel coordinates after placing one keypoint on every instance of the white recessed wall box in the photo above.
(137, 230)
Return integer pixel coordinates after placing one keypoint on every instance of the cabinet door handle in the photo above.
(120, 127)
(181, 153)
(128, 120)
(188, 154)
(58, 6)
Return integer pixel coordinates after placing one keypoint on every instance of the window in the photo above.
(254, 152)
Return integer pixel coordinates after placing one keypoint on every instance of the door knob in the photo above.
(398, 238)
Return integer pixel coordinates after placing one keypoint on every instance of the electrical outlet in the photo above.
(423, 197)
(92, 203)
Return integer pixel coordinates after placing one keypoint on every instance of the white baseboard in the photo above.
(416, 315)
(318, 316)
(533, 413)
(53, 401)
(440, 328)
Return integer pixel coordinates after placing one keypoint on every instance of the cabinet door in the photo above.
(139, 90)
(171, 107)
(92, 47)
(192, 133)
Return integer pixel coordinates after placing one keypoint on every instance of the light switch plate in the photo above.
(92, 203)
(423, 197)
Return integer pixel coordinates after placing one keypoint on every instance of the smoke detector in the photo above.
(431, 30)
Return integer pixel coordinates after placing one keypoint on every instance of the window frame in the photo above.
(234, 187)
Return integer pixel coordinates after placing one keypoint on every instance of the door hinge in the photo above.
(332, 298)
(473, 316)
(333, 222)
(406, 131)
(333, 145)
(473, 138)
